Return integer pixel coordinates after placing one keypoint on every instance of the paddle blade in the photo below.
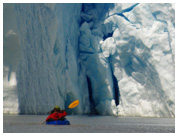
(73, 104)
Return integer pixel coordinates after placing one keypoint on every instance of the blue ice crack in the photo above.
(125, 10)
(122, 15)
(155, 16)
(130, 8)
(86, 52)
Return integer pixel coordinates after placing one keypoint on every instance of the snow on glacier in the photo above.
(139, 50)
(116, 59)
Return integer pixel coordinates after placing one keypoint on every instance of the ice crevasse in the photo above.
(116, 59)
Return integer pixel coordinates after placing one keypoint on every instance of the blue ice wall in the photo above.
(116, 59)
(48, 73)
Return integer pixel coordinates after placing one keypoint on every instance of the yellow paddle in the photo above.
(72, 105)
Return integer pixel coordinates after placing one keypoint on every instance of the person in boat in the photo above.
(56, 114)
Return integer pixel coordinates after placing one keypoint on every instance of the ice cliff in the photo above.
(116, 59)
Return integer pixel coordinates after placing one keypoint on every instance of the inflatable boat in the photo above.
(58, 122)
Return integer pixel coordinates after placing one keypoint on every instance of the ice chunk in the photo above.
(97, 32)
(86, 17)
(108, 47)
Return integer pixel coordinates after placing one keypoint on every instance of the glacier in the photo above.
(115, 58)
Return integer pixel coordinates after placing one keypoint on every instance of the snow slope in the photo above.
(116, 59)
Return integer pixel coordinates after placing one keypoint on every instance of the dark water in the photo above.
(88, 124)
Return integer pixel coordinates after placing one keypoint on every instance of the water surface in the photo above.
(88, 124)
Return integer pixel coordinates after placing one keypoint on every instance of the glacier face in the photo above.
(116, 59)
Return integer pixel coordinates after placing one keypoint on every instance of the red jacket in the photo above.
(56, 115)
